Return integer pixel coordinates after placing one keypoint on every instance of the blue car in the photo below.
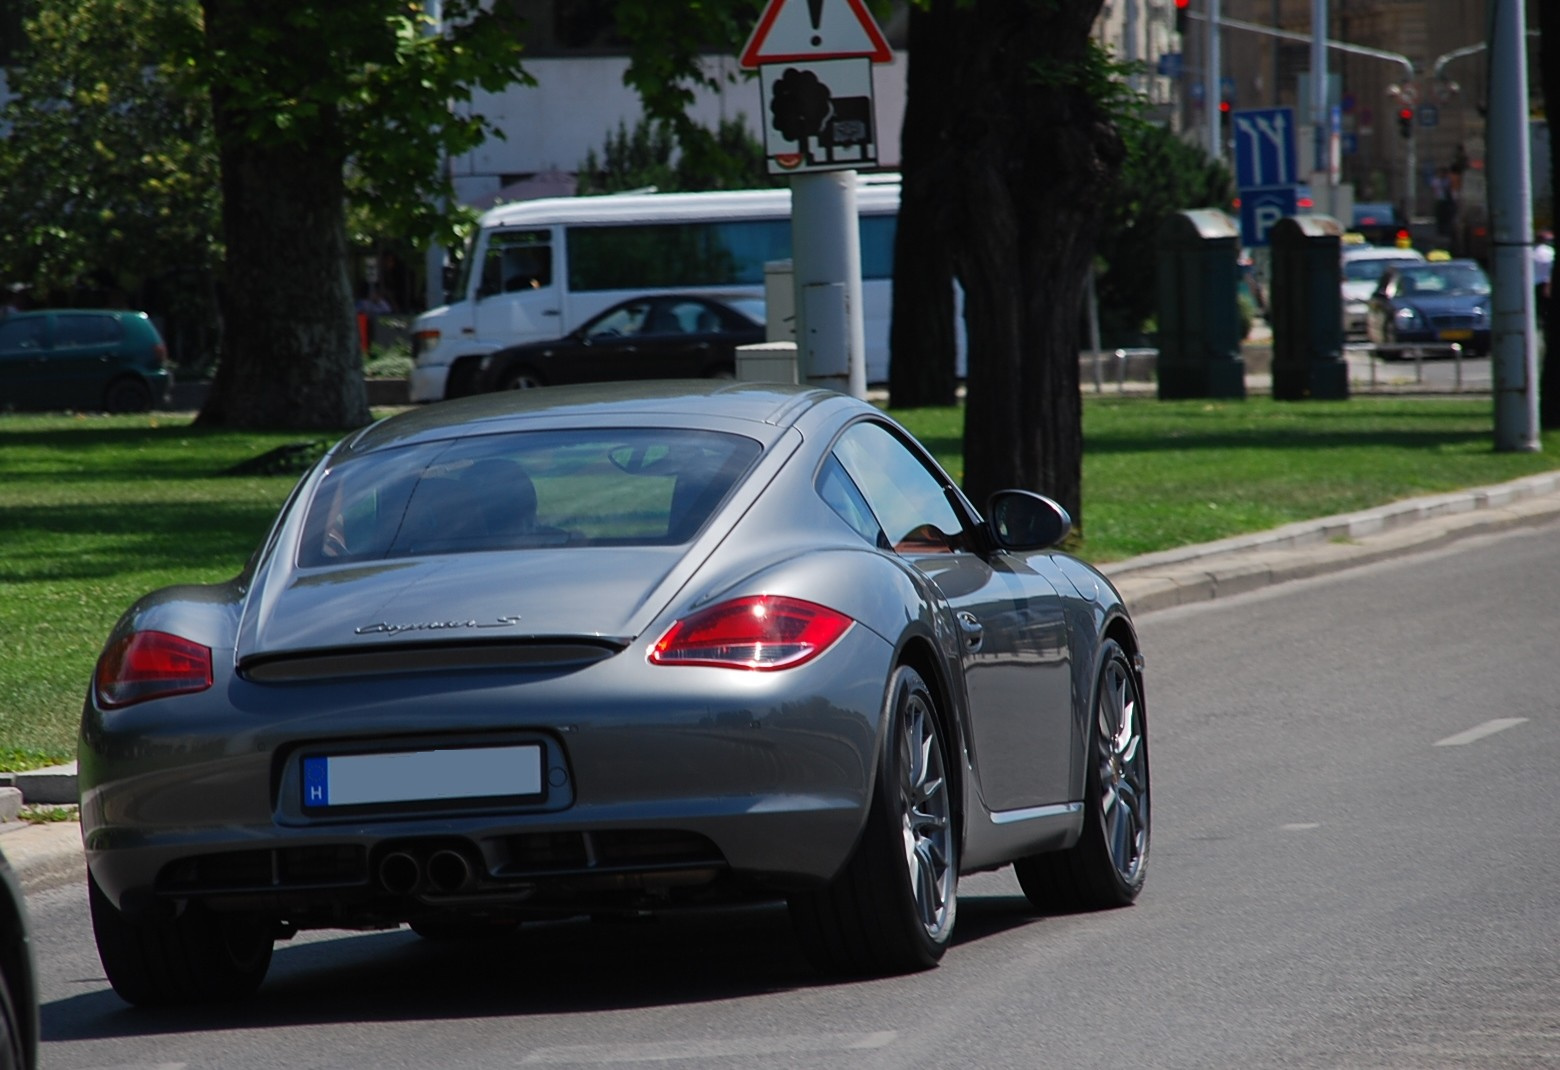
(1431, 304)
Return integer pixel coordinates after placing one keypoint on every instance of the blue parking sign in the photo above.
(1265, 148)
(1260, 209)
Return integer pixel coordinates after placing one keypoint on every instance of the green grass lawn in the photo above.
(95, 511)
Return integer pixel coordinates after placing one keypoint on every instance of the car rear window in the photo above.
(622, 487)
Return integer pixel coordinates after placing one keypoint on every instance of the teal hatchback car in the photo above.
(82, 359)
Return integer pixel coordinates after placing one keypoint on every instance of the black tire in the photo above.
(1106, 867)
(197, 956)
(520, 379)
(127, 395)
(892, 908)
(13, 1038)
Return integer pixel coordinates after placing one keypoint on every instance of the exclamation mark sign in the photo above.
(815, 13)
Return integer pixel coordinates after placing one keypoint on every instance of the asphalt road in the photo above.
(1354, 866)
(1440, 374)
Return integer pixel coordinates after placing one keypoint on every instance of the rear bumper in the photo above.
(661, 784)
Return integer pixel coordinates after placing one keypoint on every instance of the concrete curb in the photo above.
(50, 855)
(1312, 548)
(44, 856)
(54, 786)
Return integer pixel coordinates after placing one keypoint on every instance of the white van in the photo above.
(536, 270)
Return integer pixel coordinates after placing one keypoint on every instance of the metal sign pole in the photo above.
(1514, 326)
(826, 260)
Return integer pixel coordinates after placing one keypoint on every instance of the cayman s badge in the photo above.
(386, 628)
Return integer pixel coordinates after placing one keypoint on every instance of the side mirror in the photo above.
(1024, 520)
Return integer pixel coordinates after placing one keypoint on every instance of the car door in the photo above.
(1015, 649)
(674, 341)
(86, 355)
(518, 298)
(24, 349)
(607, 347)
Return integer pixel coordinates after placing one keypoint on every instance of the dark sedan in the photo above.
(665, 336)
(82, 359)
(1432, 304)
(606, 650)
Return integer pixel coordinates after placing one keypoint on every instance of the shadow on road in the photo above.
(554, 968)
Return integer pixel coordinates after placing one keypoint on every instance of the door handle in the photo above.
(974, 631)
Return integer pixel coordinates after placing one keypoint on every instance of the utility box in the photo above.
(1305, 308)
(1199, 316)
(767, 362)
(779, 301)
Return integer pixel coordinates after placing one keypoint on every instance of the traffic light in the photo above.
(1405, 122)
(1182, 13)
(1225, 111)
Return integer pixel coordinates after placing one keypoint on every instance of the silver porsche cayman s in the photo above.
(613, 649)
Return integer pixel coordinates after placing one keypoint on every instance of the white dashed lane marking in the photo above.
(1478, 732)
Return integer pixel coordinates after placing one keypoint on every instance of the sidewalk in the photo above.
(49, 855)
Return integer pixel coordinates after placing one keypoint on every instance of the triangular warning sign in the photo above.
(797, 31)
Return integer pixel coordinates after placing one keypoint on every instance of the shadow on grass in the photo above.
(94, 453)
(86, 541)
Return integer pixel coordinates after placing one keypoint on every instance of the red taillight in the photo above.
(150, 665)
(760, 632)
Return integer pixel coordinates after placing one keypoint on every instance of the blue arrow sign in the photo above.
(1265, 148)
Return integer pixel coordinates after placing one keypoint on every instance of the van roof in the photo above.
(874, 193)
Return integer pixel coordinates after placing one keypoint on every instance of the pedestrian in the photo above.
(369, 307)
(1543, 268)
(1445, 201)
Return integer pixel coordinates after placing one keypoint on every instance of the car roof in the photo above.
(760, 410)
(1380, 252)
(36, 312)
(1437, 265)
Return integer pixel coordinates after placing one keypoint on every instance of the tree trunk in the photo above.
(1549, 316)
(1037, 156)
(291, 357)
(921, 330)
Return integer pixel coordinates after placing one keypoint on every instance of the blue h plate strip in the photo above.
(316, 782)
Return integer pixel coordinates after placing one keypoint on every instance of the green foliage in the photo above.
(109, 171)
(372, 82)
(1161, 175)
(109, 174)
(647, 156)
(628, 161)
(666, 67)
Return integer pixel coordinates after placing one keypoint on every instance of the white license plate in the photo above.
(422, 776)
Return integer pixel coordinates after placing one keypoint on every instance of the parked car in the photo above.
(658, 336)
(1362, 268)
(18, 977)
(605, 649)
(84, 359)
(1434, 303)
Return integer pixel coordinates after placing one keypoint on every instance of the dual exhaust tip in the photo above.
(441, 871)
